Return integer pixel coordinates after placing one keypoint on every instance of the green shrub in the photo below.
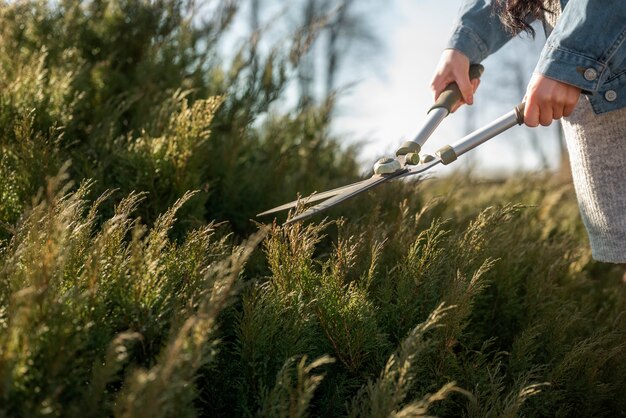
(127, 91)
(69, 291)
(114, 317)
(454, 297)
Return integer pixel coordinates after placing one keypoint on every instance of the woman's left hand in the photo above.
(547, 100)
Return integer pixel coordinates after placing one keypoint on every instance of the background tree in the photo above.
(337, 35)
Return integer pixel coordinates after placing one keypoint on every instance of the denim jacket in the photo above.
(586, 49)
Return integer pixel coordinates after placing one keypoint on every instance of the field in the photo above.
(134, 283)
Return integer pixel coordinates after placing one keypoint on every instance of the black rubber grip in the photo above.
(451, 94)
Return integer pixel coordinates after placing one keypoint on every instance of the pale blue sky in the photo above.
(384, 109)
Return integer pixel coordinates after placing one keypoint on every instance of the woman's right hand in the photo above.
(454, 67)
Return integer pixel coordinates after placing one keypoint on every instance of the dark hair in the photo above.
(515, 14)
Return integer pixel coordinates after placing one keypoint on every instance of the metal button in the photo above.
(610, 95)
(590, 74)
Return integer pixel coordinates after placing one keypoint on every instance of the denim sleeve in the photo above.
(478, 31)
(587, 45)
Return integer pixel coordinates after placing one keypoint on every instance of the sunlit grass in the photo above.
(133, 281)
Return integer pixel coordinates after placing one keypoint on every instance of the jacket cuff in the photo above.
(469, 43)
(571, 68)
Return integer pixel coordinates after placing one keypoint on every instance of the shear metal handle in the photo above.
(442, 108)
(450, 153)
(445, 155)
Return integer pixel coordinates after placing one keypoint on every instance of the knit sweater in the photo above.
(597, 148)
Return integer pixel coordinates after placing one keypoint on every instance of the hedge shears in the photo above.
(408, 161)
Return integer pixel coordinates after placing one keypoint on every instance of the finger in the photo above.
(571, 104)
(568, 109)
(456, 106)
(475, 84)
(545, 115)
(466, 88)
(531, 114)
(438, 85)
(434, 85)
(558, 104)
(433, 89)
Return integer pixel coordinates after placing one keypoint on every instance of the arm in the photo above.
(477, 33)
(584, 49)
(587, 43)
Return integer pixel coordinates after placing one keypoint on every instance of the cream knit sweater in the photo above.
(597, 150)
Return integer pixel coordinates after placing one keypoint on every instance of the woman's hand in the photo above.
(454, 67)
(547, 99)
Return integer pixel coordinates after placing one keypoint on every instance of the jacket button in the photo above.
(590, 74)
(610, 95)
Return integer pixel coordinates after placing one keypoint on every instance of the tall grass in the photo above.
(133, 283)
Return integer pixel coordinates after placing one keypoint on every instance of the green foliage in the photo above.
(386, 396)
(116, 318)
(287, 399)
(118, 117)
(67, 290)
(129, 92)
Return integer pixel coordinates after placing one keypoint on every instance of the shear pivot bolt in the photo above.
(412, 158)
(386, 166)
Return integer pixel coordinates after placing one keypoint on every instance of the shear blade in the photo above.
(361, 187)
(338, 195)
(314, 197)
(338, 198)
